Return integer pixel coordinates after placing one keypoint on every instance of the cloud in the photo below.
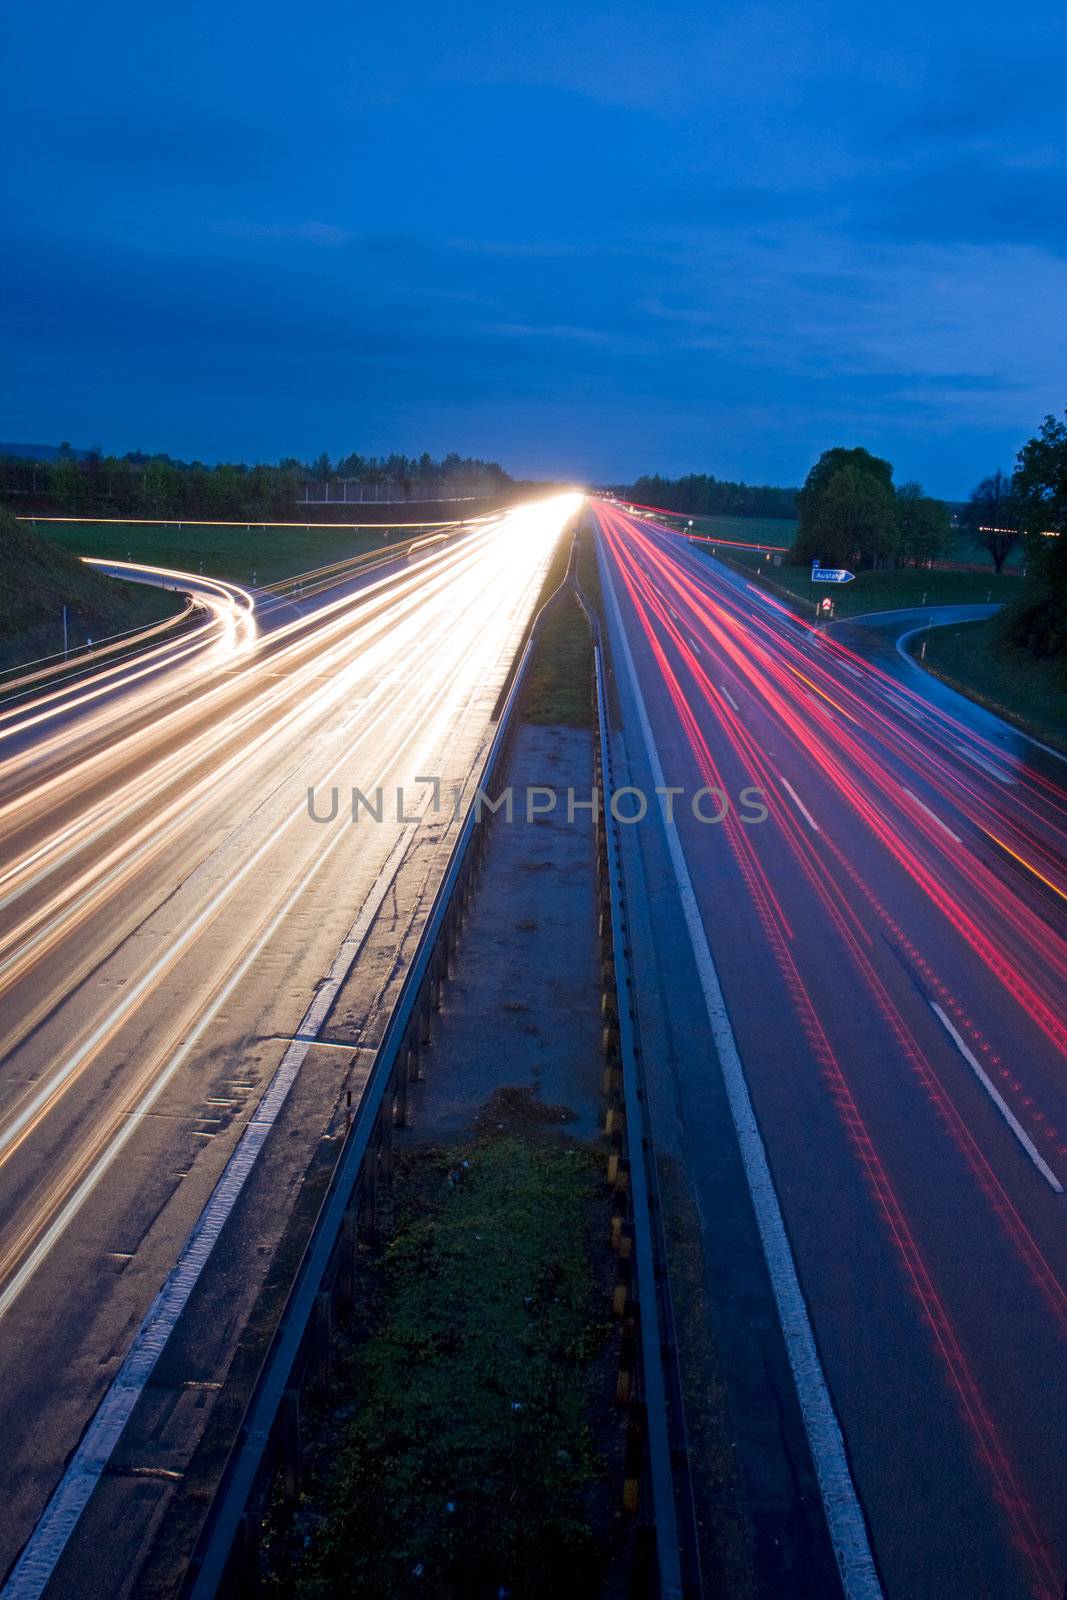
(319, 233)
(554, 330)
(977, 200)
(685, 236)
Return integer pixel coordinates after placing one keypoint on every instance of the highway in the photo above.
(879, 970)
(176, 883)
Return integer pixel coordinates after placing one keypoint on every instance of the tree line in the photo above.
(86, 482)
(703, 495)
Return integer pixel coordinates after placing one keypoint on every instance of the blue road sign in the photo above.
(831, 575)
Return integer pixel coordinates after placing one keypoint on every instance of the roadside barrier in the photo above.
(267, 1450)
(657, 1489)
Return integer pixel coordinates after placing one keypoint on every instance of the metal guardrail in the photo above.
(226, 1555)
(644, 1279)
(226, 1559)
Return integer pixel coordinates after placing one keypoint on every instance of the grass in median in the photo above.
(888, 590)
(219, 550)
(1030, 693)
(465, 1458)
(560, 685)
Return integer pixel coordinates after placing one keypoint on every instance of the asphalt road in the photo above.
(890, 944)
(170, 906)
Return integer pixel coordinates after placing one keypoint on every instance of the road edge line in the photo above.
(841, 1505)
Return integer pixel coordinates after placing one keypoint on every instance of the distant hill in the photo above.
(41, 452)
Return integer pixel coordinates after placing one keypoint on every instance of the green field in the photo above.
(219, 550)
(878, 591)
(779, 531)
(1028, 692)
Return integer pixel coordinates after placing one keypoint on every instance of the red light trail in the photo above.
(855, 726)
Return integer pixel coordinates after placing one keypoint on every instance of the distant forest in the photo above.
(704, 495)
(87, 482)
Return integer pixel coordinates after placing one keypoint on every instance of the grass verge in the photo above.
(876, 591)
(38, 578)
(465, 1458)
(1032, 694)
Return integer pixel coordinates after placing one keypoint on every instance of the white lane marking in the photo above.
(998, 1100)
(980, 761)
(728, 697)
(798, 802)
(844, 1515)
(932, 815)
(58, 1520)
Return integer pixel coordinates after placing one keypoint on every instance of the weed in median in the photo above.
(467, 1467)
(560, 686)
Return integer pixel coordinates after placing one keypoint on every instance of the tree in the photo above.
(991, 516)
(161, 486)
(160, 489)
(924, 529)
(1039, 486)
(852, 522)
(846, 510)
(1039, 496)
(67, 484)
(831, 462)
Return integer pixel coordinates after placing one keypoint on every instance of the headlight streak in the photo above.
(78, 661)
(657, 589)
(218, 633)
(310, 649)
(394, 630)
(418, 648)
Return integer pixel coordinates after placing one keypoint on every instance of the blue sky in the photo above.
(686, 237)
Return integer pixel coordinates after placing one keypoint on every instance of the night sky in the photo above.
(586, 241)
